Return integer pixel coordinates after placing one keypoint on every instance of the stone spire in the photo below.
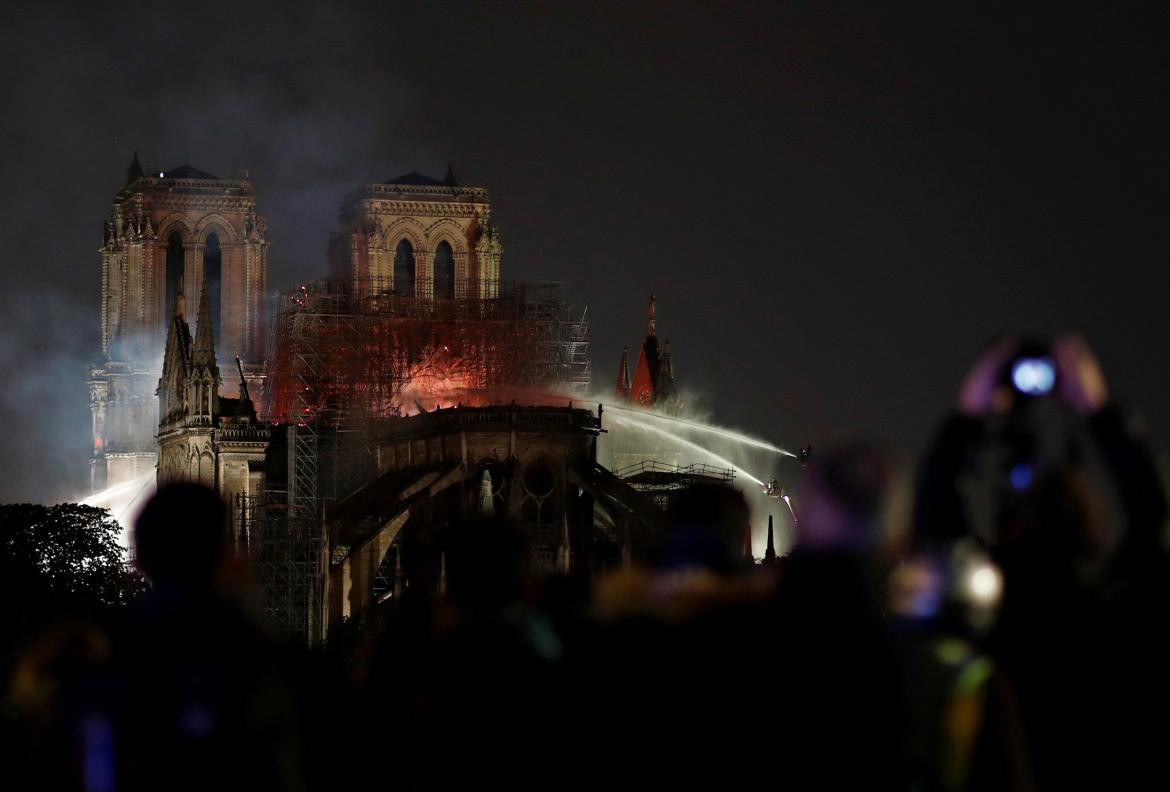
(172, 385)
(770, 553)
(747, 545)
(134, 172)
(203, 350)
(449, 179)
(623, 377)
(564, 549)
(644, 389)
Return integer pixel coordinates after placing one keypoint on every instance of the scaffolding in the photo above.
(286, 550)
(662, 483)
(342, 354)
(363, 353)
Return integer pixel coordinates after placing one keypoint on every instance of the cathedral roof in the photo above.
(233, 407)
(185, 171)
(416, 179)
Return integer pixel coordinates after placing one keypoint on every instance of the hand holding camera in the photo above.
(1011, 371)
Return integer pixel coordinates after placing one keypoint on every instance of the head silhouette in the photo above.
(841, 499)
(707, 524)
(180, 535)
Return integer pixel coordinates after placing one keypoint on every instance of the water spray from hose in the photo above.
(636, 423)
(727, 434)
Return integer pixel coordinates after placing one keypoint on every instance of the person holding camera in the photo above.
(1039, 470)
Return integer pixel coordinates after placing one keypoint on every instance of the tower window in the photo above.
(404, 269)
(444, 271)
(174, 272)
(213, 271)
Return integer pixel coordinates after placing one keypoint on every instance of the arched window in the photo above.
(491, 500)
(212, 271)
(539, 482)
(444, 272)
(174, 272)
(404, 269)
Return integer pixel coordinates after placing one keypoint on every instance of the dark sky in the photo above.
(836, 204)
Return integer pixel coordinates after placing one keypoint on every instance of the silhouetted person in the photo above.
(208, 704)
(469, 676)
(684, 695)
(841, 713)
(705, 531)
(1067, 502)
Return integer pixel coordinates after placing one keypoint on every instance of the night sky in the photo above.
(836, 207)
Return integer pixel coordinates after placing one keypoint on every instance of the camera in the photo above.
(1034, 376)
(1032, 372)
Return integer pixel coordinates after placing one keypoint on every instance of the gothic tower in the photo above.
(182, 226)
(420, 237)
(203, 437)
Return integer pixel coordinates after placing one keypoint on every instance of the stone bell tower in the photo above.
(166, 228)
(418, 237)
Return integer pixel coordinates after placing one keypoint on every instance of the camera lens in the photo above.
(1034, 376)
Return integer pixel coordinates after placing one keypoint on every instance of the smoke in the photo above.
(878, 178)
(45, 401)
(308, 98)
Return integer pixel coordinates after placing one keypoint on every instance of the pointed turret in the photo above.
(176, 364)
(204, 349)
(770, 553)
(449, 179)
(623, 377)
(134, 172)
(644, 390)
(204, 386)
(564, 548)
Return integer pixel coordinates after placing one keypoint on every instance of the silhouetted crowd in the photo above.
(997, 629)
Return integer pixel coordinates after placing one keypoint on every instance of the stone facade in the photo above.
(531, 467)
(416, 236)
(204, 437)
(167, 232)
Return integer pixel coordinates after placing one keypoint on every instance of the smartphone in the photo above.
(1034, 376)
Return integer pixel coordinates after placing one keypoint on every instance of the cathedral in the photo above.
(379, 412)
(167, 231)
(188, 232)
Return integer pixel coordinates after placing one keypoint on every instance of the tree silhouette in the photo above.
(61, 561)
